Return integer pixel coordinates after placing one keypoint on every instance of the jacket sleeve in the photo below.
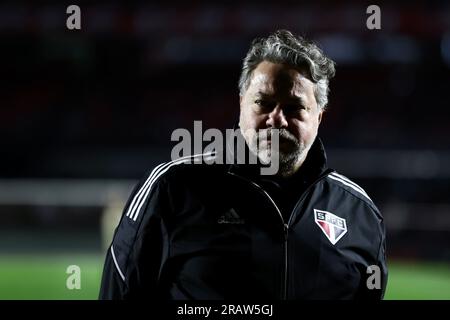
(375, 275)
(382, 263)
(134, 259)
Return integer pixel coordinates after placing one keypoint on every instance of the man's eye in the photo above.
(263, 103)
(295, 108)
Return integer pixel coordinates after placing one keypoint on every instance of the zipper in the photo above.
(285, 230)
(305, 193)
(285, 225)
(286, 234)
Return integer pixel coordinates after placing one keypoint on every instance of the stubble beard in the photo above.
(290, 152)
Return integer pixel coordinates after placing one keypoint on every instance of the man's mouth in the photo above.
(283, 143)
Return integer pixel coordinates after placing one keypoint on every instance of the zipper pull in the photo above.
(286, 231)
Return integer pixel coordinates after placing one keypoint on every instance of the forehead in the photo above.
(275, 78)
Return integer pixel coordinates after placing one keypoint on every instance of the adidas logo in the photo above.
(231, 217)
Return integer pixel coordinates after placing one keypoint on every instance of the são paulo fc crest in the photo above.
(332, 226)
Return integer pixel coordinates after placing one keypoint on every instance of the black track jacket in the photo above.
(198, 231)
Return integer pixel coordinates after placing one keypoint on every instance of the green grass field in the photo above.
(44, 277)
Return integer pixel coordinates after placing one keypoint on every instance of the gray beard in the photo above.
(287, 160)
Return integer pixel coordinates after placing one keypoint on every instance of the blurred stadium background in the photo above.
(84, 113)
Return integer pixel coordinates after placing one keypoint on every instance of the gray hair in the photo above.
(283, 47)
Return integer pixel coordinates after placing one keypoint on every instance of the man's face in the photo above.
(280, 97)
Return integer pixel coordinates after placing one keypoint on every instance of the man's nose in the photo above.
(277, 118)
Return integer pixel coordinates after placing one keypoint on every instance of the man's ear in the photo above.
(320, 115)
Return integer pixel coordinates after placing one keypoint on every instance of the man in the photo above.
(198, 231)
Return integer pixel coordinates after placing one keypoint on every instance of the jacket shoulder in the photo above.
(176, 170)
(186, 173)
(145, 208)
